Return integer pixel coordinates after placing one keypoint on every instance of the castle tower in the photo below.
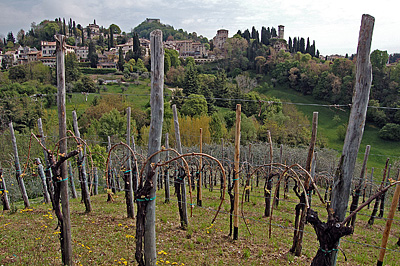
(281, 32)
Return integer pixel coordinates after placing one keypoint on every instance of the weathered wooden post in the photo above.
(371, 182)
(200, 183)
(47, 170)
(3, 192)
(389, 221)
(95, 181)
(298, 240)
(82, 168)
(383, 197)
(110, 173)
(65, 238)
(71, 180)
(155, 134)
(42, 176)
(268, 181)
(236, 172)
(357, 191)
(355, 128)
(166, 173)
(18, 176)
(135, 169)
(130, 208)
(184, 216)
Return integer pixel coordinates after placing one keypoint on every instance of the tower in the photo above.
(281, 32)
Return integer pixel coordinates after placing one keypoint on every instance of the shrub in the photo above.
(390, 132)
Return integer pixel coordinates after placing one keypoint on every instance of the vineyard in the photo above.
(208, 204)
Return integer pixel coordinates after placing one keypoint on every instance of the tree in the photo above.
(10, 38)
(92, 55)
(72, 72)
(121, 61)
(167, 63)
(195, 105)
(137, 51)
(190, 84)
(21, 37)
(217, 127)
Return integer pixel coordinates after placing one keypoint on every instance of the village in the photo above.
(108, 58)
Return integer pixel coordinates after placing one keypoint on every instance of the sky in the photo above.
(333, 24)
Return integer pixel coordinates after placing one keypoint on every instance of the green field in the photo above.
(327, 126)
(106, 237)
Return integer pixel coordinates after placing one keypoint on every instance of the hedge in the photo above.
(88, 70)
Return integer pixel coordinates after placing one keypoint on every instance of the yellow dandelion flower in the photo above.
(125, 262)
(119, 224)
(167, 262)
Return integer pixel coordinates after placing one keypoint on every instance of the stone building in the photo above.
(220, 39)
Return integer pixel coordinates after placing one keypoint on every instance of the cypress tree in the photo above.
(120, 59)
(295, 45)
(302, 45)
(308, 48)
(273, 32)
(264, 39)
(246, 35)
(313, 49)
(290, 45)
(136, 47)
(190, 83)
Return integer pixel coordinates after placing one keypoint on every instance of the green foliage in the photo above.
(85, 84)
(390, 132)
(190, 84)
(341, 132)
(72, 71)
(217, 127)
(195, 105)
(99, 71)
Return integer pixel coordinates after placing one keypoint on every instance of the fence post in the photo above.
(155, 134)
(236, 178)
(66, 243)
(18, 176)
(81, 167)
(130, 209)
(344, 174)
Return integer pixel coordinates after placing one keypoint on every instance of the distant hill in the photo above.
(169, 32)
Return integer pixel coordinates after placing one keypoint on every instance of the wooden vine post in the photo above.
(389, 222)
(357, 191)
(82, 168)
(146, 194)
(128, 170)
(199, 186)
(236, 172)
(298, 239)
(47, 171)
(42, 176)
(71, 180)
(183, 212)
(65, 238)
(18, 172)
(166, 173)
(344, 174)
(3, 192)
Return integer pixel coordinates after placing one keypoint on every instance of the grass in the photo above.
(328, 124)
(106, 237)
